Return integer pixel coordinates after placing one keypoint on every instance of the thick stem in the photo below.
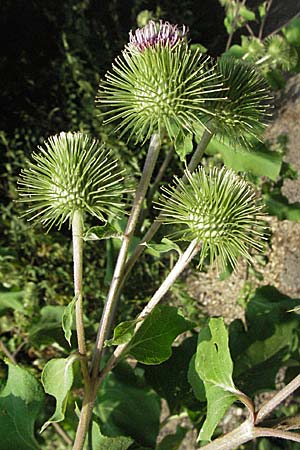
(197, 156)
(85, 418)
(277, 399)
(85, 413)
(181, 264)
(112, 297)
(77, 232)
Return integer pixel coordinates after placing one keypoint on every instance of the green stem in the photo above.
(77, 232)
(196, 159)
(181, 264)
(112, 297)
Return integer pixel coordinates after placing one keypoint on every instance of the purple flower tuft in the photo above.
(162, 34)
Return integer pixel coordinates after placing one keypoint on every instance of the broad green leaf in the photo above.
(169, 379)
(153, 340)
(57, 379)
(11, 300)
(259, 161)
(268, 342)
(214, 366)
(96, 441)
(21, 401)
(165, 246)
(173, 441)
(67, 319)
(125, 406)
(122, 333)
(106, 231)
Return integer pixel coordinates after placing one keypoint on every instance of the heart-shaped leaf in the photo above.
(152, 342)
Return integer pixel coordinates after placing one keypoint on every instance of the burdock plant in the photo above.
(157, 89)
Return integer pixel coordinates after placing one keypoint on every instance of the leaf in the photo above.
(97, 441)
(67, 319)
(57, 379)
(21, 401)
(170, 378)
(11, 300)
(165, 246)
(173, 441)
(125, 406)
(122, 333)
(260, 161)
(152, 342)
(106, 231)
(214, 366)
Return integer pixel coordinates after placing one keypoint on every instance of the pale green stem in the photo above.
(112, 297)
(195, 161)
(277, 399)
(181, 264)
(234, 439)
(77, 235)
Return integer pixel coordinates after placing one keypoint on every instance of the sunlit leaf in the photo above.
(214, 366)
(57, 379)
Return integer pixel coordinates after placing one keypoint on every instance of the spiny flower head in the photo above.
(219, 209)
(154, 33)
(157, 84)
(71, 172)
(243, 113)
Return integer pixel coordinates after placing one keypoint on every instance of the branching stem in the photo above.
(181, 264)
(112, 297)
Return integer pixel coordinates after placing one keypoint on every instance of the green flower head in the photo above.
(243, 113)
(157, 84)
(71, 172)
(219, 209)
